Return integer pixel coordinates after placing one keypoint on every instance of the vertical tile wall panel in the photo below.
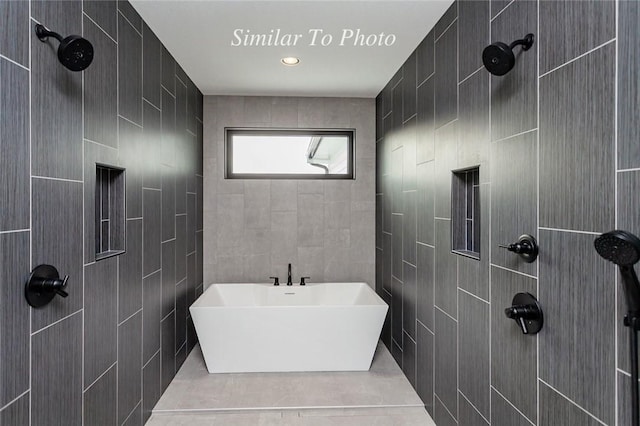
(168, 72)
(445, 281)
(446, 361)
(425, 58)
(131, 144)
(628, 85)
(513, 371)
(56, 219)
(151, 63)
(581, 283)
(425, 203)
(425, 295)
(409, 70)
(473, 142)
(168, 277)
(441, 415)
(424, 367)
(14, 143)
(578, 145)
(151, 387)
(473, 274)
(129, 366)
(57, 350)
(445, 83)
(168, 123)
(409, 298)
(100, 318)
(151, 241)
(396, 311)
(151, 315)
(409, 358)
(168, 211)
(100, 79)
(100, 400)
(473, 24)
(14, 317)
(130, 71)
(408, 140)
(56, 97)
(168, 350)
(425, 121)
(130, 272)
(514, 201)
(514, 96)
(151, 133)
(474, 363)
(409, 225)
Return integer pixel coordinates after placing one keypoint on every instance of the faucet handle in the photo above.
(302, 280)
(276, 280)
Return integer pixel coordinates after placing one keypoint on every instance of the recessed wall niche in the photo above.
(465, 212)
(109, 211)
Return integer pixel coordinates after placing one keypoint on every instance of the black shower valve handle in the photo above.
(526, 312)
(276, 280)
(526, 247)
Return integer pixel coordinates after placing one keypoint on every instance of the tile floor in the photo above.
(381, 396)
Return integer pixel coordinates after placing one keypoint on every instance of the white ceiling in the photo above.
(199, 34)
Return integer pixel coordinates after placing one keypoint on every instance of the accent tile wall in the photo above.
(556, 142)
(324, 228)
(104, 354)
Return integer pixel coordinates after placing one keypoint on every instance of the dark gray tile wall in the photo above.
(552, 164)
(55, 126)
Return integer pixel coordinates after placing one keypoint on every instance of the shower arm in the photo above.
(43, 33)
(526, 42)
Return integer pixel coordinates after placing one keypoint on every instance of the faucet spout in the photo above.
(289, 281)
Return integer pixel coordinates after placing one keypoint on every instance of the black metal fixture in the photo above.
(276, 280)
(289, 282)
(43, 285)
(74, 52)
(302, 280)
(498, 58)
(526, 312)
(623, 249)
(526, 247)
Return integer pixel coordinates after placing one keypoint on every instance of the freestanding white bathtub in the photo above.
(265, 328)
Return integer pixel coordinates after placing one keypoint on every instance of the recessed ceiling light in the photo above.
(290, 61)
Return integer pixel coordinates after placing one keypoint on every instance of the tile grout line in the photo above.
(15, 399)
(616, 208)
(30, 240)
(99, 377)
(473, 406)
(572, 402)
(613, 40)
(56, 322)
(473, 295)
(499, 13)
(96, 24)
(514, 271)
(512, 406)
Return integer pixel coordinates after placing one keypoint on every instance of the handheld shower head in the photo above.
(74, 52)
(498, 58)
(623, 249)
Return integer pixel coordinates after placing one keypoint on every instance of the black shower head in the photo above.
(619, 247)
(623, 249)
(74, 52)
(498, 58)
